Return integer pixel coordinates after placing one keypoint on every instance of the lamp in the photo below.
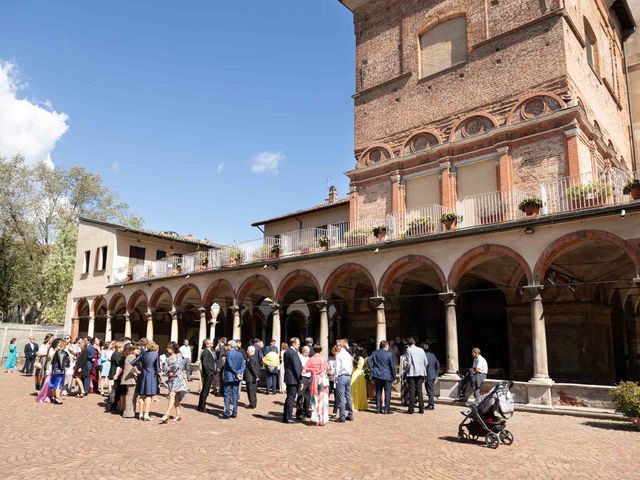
(215, 311)
(529, 230)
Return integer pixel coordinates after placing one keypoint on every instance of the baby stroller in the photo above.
(482, 419)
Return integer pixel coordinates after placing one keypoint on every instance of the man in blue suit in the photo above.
(383, 371)
(433, 370)
(233, 371)
(292, 373)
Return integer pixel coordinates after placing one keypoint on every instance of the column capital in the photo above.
(274, 306)
(235, 308)
(534, 290)
(448, 296)
(202, 310)
(321, 304)
(395, 177)
(445, 165)
(126, 315)
(377, 302)
(353, 188)
(173, 312)
(571, 133)
(502, 150)
(148, 314)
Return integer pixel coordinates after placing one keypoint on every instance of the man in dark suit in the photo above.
(208, 372)
(292, 374)
(433, 370)
(233, 371)
(251, 375)
(30, 353)
(383, 370)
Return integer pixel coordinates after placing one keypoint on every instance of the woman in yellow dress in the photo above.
(359, 387)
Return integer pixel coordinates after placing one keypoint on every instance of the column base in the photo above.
(539, 391)
(448, 385)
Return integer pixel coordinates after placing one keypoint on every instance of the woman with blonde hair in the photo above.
(148, 364)
(42, 361)
(176, 381)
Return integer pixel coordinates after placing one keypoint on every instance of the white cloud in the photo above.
(115, 166)
(266, 162)
(220, 168)
(29, 128)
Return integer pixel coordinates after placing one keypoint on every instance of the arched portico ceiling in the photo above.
(99, 304)
(299, 284)
(161, 300)
(117, 303)
(188, 297)
(350, 280)
(138, 301)
(254, 290)
(496, 264)
(412, 269)
(82, 308)
(220, 292)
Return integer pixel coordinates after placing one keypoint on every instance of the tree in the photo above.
(39, 211)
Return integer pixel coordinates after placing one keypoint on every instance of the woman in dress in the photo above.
(359, 386)
(10, 364)
(148, 363)
(281, 386)
(81, 370)
(176, 381)
(94, 382)
(42, 361)
(59, 364)
(105, 368)
(317, 366)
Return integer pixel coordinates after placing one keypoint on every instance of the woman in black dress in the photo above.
(81, 367)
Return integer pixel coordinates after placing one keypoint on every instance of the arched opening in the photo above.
(100, 317)
(254, 297)
(117, 307)
(411, 288)
(350, 288)
(589, 338)
(188, 303)
(299, 288)
(161, 304)
(82, 314)
(138, 306)
(220, 292)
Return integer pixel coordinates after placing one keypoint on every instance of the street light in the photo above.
(215, 311)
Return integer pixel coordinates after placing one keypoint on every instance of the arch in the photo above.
(182, 292)
(115, 300)
(547, 97)
(296, 275)
(81, 305)
(250, 283)
(157, 295)
(462, 128)
(409, 147)
(366, 160)
(467, 261)
(217, 286)
(97, 303)
(405, 264)
(134, 300)
(554, 249)
(341, 272)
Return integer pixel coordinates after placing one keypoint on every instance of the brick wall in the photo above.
(374, 200)
(538, 162)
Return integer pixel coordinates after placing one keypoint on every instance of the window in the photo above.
(101, 259)
(591, 46)
(136, 253)
(161, 254)
(444, 46)
(85, 263)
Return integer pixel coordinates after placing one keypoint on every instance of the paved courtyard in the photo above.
(80, 440)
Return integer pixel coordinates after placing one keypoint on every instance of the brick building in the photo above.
(466, 112)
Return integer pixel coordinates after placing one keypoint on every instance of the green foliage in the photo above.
(323, 241)
(627, 399)
(420, 225)
(590, 191)
(448, 217)
(379, 230)
(39, 210)
(275, 249)
(635, 183)
(357, 233)
(530, 202)
(236, 254)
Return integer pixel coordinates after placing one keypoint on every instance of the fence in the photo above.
(22, 332)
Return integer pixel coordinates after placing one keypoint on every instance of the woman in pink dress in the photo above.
(318, 367)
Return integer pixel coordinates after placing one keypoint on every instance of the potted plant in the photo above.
(530, 206)
(129, 277)
(626, 396)
(235, 256)
(449, 220)
(323, 241)
(379, 231)
(204, 263)
(589, 194)
(419, 226)
(632, 188)
(275, 250)
(357, 236)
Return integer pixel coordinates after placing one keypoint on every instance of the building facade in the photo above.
(465, 111)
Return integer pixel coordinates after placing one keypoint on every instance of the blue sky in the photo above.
(184, 108)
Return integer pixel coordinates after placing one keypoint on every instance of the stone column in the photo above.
(324, 327)
(381, 320)
(127, 325)
(275, 327)
(149, 315)
(75, 328)
(202, 334)
(92, 326)
(107, 328)
(451, 321)
(237, 327)
(538, 336)
(353, 204)
(174, 325)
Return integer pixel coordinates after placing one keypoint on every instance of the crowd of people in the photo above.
(130, 375)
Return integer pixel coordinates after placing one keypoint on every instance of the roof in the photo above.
(323, 206)
(150, 233)
(353, 4)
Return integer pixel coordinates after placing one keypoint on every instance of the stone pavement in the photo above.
(80, 440)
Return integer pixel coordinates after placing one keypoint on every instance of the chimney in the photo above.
(333, 194)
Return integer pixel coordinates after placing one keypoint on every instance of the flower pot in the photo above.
(381, 234)
(531, 210)
(275, 255)
(635, 193)
(450, 224)
(129, 278)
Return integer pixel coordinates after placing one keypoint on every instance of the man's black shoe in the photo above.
(288, 421)
(225, 417)
(234, 415)
(431, 407)
(341, 420)
(349, 419)
(389, 412)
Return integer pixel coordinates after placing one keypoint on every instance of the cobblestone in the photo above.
(80, 440)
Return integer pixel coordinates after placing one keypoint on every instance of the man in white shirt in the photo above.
(185, 351)
(476, 375)
(304, 392)
(344, 368)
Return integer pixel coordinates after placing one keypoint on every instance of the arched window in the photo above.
(444, 46)
(591, 45)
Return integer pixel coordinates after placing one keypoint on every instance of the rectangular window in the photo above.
(444, 46)
(136, 253)
(422, 191)
(476, 179)
(161, 254)
(86, 262)
(103, 258)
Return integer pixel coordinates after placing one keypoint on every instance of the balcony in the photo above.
(564, 195)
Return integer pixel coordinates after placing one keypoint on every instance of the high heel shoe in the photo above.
(177, 419)
(164, 420)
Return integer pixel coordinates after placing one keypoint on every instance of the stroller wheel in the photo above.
(462, 437)
(492, 441)
(506, 437)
